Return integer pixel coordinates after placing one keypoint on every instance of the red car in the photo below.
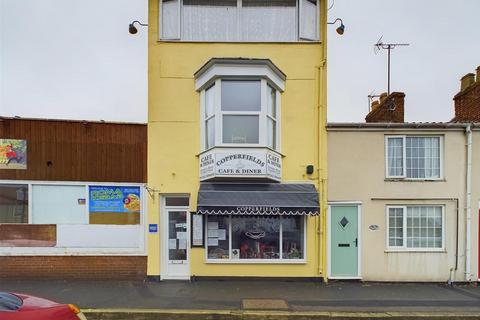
(14, 306)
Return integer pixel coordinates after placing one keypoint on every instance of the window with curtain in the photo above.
(246, 113)
(415, 227)
(414, 157)
(244, 20)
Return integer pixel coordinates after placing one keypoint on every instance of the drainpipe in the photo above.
(468, 206)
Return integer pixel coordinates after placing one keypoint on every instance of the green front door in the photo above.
(344, 241)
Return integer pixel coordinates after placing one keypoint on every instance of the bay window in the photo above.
(240, 113)
(414, 157)
(253, 238)
(415, 227)
(242, 20)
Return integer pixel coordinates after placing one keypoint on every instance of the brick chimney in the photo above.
(467, 101)
(390, 108)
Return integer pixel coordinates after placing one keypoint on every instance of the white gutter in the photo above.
(468, 245)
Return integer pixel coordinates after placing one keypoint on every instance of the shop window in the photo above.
(292, 237)
(58, 204)
(13, 203)
(243, 20)
(218, 237)
(414, 157)
(114, 205)
(237, 238)
(240, 113)
(415, 227)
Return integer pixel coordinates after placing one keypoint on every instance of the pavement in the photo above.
(257, 299)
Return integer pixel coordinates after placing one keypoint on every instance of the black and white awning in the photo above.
(258, 199)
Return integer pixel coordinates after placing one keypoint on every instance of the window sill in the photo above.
(239, 146)
(415, 251)
(414, 180)
(239, 42)
(246, 261)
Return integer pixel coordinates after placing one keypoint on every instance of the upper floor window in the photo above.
(240, 20)
(240, 101)
(414, 157)
(240, 112)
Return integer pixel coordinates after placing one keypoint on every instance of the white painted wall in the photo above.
(99, 236)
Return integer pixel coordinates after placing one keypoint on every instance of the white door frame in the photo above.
(164, 239)
(358, 204)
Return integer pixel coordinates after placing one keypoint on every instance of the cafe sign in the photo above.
(240, 163)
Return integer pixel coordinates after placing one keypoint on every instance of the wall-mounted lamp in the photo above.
(132, 29)
(341, 28)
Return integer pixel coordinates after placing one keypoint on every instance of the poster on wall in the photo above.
(114, 205)
(13, 154)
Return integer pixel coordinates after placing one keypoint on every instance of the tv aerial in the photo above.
(380, 45)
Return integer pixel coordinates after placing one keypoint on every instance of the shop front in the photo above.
(254, 229)
(68, 211)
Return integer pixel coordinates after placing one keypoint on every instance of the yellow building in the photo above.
(237, 138)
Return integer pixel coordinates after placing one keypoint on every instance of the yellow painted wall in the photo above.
(174, 134)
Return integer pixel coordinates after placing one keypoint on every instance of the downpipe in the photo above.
(468, 206)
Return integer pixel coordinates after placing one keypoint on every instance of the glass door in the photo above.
(177, 243)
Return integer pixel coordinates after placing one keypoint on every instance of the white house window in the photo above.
(253, 238)
(242, 20)
(241, 106)
(415, 227)
(414, 157)
(240, 113)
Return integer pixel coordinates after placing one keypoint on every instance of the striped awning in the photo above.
(258, 199)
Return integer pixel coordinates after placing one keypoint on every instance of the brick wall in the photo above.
(467, 101)
(74, 267)
(389, 109)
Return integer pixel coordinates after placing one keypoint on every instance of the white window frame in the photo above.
(262, 114)
(298, 16)
(404, 145)
(62, 251)
(281, 260)
(404, 211)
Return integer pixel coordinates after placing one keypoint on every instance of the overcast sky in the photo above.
(74, 59)
(444, 45)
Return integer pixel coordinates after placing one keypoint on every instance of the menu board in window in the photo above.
(197, 230)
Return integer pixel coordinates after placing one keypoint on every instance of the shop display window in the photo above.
(218, 237)
(248, 238)
(13, 203)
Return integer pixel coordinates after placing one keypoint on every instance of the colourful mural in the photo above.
(13, 154)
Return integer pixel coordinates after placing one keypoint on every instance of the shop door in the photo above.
(344, 241)
(177, 243)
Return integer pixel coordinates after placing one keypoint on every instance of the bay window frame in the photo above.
(280, 260)
(404, 247)
(404, 176)
(219, 113)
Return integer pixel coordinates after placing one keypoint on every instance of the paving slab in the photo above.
(230, 295)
